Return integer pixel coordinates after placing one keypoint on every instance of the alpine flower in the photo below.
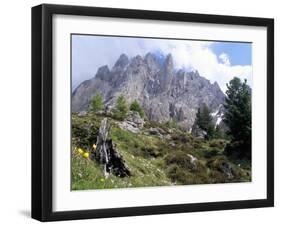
(86, 155)
(80, 151)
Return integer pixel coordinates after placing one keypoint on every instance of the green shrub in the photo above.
(217, 143)
(84, 130)
(219, 165)
(187, 148)
(177, 174)
(211, 153)
(151, 151)
(197, 143)
(181, 176)
(216, 162)
(217, 177)
(181, 137)
(180, 159)
(137, 108)
(172, 124)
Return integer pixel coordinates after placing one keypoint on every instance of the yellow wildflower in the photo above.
(86, 155)
(80, 151)
(94, 146)
(102, 180)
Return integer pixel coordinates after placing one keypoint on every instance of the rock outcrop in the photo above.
(107, 154)
(132, 123)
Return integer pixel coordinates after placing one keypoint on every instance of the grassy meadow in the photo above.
(152, 160)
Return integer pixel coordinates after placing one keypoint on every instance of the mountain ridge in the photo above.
(164, 92)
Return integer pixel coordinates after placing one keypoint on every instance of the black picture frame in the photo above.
(42, 111)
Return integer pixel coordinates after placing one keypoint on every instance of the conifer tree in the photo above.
(135, 106)
(204, 120)
(121, 108)
(238, 118)
(96, 103)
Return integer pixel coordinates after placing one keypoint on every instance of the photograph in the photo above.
(149, 111)
(145, 112)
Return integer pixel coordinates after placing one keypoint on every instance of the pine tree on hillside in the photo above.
(135, 106)
(204, 120)
(96, 103)
(121, 108)
(238, 118)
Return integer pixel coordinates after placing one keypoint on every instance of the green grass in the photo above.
(151, 160)
(86, 174)
(136, 150)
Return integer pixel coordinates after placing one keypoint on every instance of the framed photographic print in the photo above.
(145, 112)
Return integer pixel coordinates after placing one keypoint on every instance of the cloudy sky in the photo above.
(216, 61)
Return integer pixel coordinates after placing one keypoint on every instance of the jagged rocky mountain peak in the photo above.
(103, 73)
(122, 61)
(150, 57)
(216, 85)
(169, 61)
(154, 62)
(164, 92)
(137, 60)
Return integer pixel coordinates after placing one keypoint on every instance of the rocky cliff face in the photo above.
(164, 92)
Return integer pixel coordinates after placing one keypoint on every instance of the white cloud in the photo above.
(224, 59)
(196, 55)
(199, 56)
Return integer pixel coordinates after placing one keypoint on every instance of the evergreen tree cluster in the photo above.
(238, 118)
(121, 108)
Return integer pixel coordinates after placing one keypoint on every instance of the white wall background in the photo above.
(15, 113)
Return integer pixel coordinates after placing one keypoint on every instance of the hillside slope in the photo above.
(157, 155)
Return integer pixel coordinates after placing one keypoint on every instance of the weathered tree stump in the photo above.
(107, 154)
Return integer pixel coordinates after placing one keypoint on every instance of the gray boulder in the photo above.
(125, 125)
(82, 113)
(132, 123)
(135, 118)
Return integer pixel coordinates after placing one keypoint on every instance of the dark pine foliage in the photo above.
(135, 106)
(121, 108)
(238, 118)
(204, 120)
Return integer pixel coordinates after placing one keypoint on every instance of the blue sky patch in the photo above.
(239, 53)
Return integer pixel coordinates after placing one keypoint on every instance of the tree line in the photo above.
(121, 107)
